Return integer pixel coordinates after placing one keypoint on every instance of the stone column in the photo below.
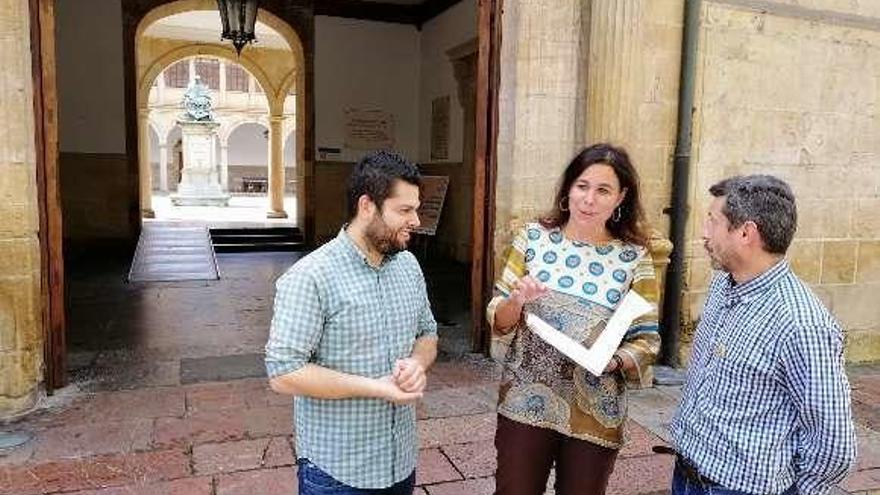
(224, 166)
(163, 167)
(629, 100)
(276, 167)
(614, 71)
(632, 76)
(21, 331)
(144, 169)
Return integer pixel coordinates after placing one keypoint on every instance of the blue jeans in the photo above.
(681, 485)
(314, 481)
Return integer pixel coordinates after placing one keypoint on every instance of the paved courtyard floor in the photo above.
(235, 437)
(167, 398)
(250, 209)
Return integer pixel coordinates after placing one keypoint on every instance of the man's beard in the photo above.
(715, 259)
(382, 237)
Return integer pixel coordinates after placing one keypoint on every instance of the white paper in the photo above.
(596, 358)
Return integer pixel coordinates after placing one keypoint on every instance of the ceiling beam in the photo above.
(417, 15)
(432, 8)
(369, 11)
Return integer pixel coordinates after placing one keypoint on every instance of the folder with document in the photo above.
(595, 358)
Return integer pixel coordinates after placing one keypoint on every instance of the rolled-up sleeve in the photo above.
(297, 323)
(514, 268)
(642, 339)
(427, 324)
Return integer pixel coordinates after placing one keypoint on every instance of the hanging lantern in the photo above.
(239, 18)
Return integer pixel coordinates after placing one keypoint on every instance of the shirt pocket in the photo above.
(746, 368)
(403, 300)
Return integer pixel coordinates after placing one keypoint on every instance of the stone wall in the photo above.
(633, 71)
(542, 99)
(579, 73)
(785, 87)
(21, 340)
(793, 91)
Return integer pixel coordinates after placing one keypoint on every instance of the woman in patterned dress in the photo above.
(572, 269)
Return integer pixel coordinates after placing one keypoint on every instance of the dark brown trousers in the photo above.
(526, 454)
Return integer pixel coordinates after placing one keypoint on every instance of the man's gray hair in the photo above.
(765, 200)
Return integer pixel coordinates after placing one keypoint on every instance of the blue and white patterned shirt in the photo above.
(766, 404)
(333, 309)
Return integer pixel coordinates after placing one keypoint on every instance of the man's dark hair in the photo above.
(765, 200)
(375, 174)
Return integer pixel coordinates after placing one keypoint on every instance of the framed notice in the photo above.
(440, 128)
(368, 129)
(433, 195)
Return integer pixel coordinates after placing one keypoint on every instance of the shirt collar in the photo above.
(739, 293)
(355, 252)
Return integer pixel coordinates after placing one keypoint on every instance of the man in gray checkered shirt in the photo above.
(352, 337)
(766, 407)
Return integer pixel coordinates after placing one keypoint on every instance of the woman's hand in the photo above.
(510, 309)
(526, 290)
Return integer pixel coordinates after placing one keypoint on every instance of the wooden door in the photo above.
(485, 166)
(42, 21)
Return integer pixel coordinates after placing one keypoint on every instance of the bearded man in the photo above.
(351, 339)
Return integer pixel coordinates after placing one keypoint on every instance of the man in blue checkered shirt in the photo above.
(766, 406)
(352, 336)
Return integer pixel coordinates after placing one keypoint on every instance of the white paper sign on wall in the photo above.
(368, 129)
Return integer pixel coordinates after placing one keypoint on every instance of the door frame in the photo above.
(45, 97)
(42, 22)
(485, 167)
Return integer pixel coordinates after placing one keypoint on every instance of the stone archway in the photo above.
(234, 173)
(276, 86)
(197, 49)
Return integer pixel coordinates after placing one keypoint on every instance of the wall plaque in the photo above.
(368, 129)
(433, 195)
(440, 128)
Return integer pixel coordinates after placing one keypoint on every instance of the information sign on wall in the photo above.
(433, 195)
(368, 129)
(440, 128)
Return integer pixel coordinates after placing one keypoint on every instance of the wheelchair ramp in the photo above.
(167, 252)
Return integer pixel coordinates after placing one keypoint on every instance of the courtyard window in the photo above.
(208, 70)
(236, 78)
(177, 76)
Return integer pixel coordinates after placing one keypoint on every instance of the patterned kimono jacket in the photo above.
(542, 387)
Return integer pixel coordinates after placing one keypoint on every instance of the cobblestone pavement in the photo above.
(166, 400)
(235, 437)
